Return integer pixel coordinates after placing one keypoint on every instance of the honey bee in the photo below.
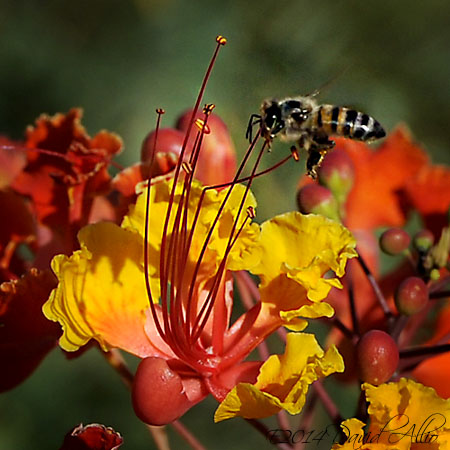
(307, 123)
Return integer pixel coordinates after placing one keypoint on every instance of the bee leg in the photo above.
(254, 120)
(277, 128)
(313, 162)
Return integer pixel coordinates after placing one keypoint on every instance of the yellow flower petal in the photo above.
(358, 438)
(403, 415)
(297, 254)
(101, 292)
(391, 402)
(283, 381)
(243, 254)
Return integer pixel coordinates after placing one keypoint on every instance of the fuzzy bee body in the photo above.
(303, 121)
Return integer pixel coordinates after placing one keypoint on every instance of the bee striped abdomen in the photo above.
(341, 121)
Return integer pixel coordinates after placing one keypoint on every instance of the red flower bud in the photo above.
(377, 357)
(160, 395)
(423, 240)
(316, 199)
(217, 160)
(167, 150)
(394, 241)
(411, 296)
(337, 173)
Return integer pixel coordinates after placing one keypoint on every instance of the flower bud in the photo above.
(167, 150)
(423, 240)
(217, 159)
(394, 241)
(160, 395)
(337, 173)
(411, 296)
(377, 357)
(316, 199)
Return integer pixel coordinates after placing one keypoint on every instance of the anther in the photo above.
(294, 152)
(187, 167)
(160, 111)
(207, 109)
(251, 212)
(221, 40)
(202, 126)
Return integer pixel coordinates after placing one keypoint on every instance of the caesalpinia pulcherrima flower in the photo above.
(403, 415)
(102, 292)
(160, 286)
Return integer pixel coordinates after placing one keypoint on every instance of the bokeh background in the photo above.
(121, 59)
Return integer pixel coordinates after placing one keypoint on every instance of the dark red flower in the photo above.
(92, 437)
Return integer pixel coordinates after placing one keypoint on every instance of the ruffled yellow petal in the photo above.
(283, 381)
(298, 253)
(292, 319)
(243, 254)
(101, 292)
(358, 438)
(392, 402)
(403, 415)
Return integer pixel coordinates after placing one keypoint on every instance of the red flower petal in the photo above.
(429, 192)
(26, 336)
(380, 176)
(18, 227)
(11, 161)
(70, 159)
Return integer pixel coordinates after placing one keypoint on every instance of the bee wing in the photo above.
(328, 83)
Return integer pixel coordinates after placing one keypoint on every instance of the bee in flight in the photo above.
(303, 121)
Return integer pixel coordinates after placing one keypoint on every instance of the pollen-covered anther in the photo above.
(187, 167)
(202, 126)
(160, 111)
(251, 212)
(221, 40)
(208, 108)
(294, 152)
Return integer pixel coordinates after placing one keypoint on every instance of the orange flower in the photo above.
(67, 170)
(380, 177)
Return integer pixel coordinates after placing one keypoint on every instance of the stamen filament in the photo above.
(146, 240)
(231, 241)
(215, 221)
(220, 41)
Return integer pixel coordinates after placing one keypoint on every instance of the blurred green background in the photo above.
(120, 60)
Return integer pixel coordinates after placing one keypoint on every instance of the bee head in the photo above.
(271, 118)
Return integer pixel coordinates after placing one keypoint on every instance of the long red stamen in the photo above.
(220, 41)
(173, 245)
(231, 241)
(207, 307)
(213, 225)
(177, 259)
(160, 112)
